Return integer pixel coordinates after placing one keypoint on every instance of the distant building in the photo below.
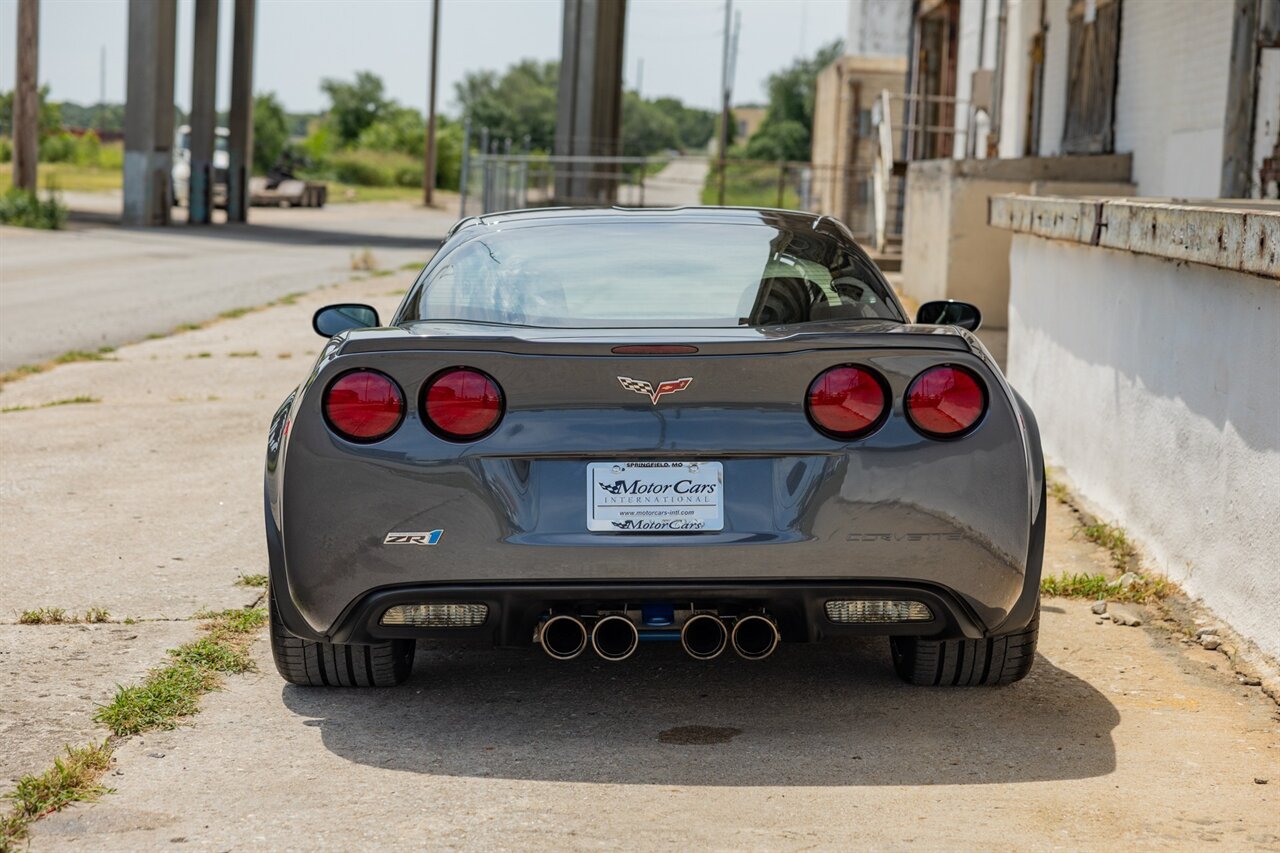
(1074, 97)
(878, 27)
(844, 139)
(746, 121)
(1191, 89)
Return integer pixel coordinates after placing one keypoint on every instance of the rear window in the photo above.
(635, 274)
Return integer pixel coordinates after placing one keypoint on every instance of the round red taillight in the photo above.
(847, 402)
(462, 404)
(945, 401)
(363, 406)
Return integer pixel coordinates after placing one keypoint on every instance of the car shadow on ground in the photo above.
(831, 713)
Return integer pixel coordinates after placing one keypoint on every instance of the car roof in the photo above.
(566, 215)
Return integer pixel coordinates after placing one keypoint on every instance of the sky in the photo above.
(300, 42)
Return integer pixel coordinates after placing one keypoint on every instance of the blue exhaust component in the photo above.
(648, 635)
(657, 615)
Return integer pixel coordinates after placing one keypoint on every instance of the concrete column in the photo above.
(589, 122)
(148, 117)
(26, 98)
(204, 115)
(240, 125)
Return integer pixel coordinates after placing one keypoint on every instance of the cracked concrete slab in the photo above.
(53, 678)
(149, 502)
(1116, 739)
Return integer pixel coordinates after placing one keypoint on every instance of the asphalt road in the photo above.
(97, 284)
(148, 503)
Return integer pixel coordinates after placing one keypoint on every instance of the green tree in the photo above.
(397, 129)
(646, 129)
(50, 113)
(787, 128)
(779, 140)
(270, 131)
(354, 106)
(519, 103)
(694, 127)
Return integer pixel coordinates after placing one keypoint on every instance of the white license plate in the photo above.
(657, 496)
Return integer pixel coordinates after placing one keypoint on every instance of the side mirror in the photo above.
(949, 312)
(332, 319)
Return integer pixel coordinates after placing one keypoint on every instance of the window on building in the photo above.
(1093, 47)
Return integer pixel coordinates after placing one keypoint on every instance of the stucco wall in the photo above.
(1155, 386)
(948, 249)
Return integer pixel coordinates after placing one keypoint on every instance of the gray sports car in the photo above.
(592, 429)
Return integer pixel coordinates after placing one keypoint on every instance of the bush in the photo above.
(26, 210)
(87, 150)
(355, 167)
(111, 156)
(6, 149)
(375, 169)
(58, 148)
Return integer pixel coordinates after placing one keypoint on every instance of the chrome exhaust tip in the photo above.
(615, 637)
(563, 637)
(755, 636)
(704, 636)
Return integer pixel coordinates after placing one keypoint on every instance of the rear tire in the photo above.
(309, 663)
(997, 660)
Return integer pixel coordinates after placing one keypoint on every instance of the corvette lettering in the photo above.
(670, 386)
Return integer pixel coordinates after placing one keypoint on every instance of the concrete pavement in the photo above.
(101, 285)
(148, 503)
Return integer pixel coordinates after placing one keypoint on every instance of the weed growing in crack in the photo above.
(73, 778)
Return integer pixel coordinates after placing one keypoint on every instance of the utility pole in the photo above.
(26, 98)
(724, 96)
(429, 166)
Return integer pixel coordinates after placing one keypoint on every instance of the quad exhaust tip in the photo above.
(755, 636)
(615, 637)
(704, 636)
(563, 637)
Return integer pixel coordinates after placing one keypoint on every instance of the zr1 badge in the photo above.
(429, 537)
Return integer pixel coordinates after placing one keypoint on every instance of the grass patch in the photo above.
(256, 581)
(72, 356)
(411, 266)
(1113, 539)
(245, 354)
(363, 261)
(289, 298)
(345, 193)
(69, 176)
(172, 692)
(73, 778)
(59, 616)
(1136, 588)
(27, 210)
(45, 616)
(70, 401)
(233, 313)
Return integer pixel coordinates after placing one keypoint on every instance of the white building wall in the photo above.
(878, 27)
(1154, 384)
(1171, 97)
(1053, 114)
(1022, 19)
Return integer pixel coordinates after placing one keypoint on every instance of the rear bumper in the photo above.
(514, 610)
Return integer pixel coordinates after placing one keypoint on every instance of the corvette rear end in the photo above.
(588, 472)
